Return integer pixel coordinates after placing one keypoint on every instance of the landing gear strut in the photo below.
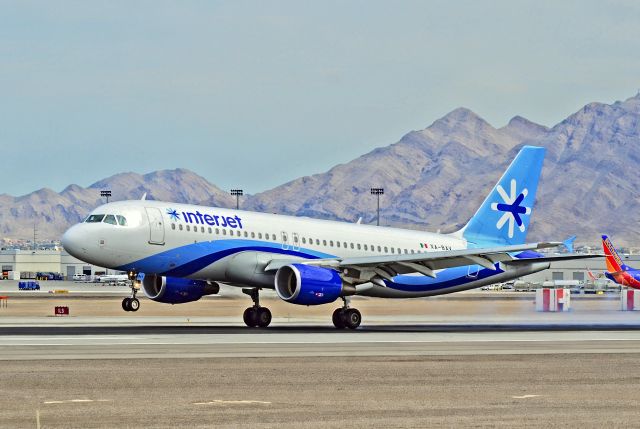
(346, 317)
(256, 315)
(131, 303)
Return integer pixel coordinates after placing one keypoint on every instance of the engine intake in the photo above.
(309, 285)
(176, 290)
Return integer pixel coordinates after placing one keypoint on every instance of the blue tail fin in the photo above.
(503, 218)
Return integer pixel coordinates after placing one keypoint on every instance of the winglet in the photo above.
(568, 243)
(144, 197)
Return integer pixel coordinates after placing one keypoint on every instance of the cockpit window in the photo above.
(95, 218)
(122, 221)
(110, 219)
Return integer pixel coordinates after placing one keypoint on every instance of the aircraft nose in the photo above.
(72, 241)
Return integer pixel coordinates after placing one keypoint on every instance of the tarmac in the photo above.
(480, 359)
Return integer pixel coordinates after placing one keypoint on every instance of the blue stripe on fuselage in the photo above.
(187, 260)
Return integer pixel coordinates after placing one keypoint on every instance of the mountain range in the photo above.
(433, 179)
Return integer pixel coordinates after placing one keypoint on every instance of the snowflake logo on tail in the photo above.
(511, 208)
(173, 214)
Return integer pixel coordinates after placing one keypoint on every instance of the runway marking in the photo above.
(236, 402)
(346, 342)
(72, 401)
(526, 396)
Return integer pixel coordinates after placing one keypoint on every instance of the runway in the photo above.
(178, 342)
(447, 363)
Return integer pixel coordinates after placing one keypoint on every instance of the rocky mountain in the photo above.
(53, 212)
(434, 179)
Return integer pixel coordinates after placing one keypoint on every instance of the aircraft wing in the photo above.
(556, 258)
(388, 266)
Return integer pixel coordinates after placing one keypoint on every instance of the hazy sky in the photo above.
(252, 94)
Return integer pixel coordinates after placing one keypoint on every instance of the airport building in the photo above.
(25, 263)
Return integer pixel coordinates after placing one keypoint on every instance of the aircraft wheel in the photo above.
(125, 304)
(250, 317)
(263, 317)
(352, 318)
(134, 304)
(338, 318)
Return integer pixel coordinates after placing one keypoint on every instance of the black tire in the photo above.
(352, 318)
(134, 304)
(125, 304)
(339, 318)
(250, 317)
(263, 318)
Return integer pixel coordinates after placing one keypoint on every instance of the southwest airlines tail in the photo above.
(614, 263)
(503, 218)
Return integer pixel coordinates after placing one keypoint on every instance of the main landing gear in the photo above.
(346, 317)
(256, 316)
(131, 303)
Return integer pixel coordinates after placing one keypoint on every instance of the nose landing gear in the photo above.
(131, 303)
(256, 316)
(346, 317)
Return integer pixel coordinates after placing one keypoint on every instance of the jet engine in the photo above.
(309, 285)
(176, 290)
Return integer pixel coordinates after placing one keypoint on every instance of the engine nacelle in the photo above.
(176, 290)
(309, 285)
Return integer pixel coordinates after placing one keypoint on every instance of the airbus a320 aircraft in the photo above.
(181, 251)
(617, 270)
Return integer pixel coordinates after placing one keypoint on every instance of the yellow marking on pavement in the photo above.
(241, 402)
(75, 401)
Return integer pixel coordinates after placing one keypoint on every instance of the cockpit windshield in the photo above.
(95, 218)
(110, 219)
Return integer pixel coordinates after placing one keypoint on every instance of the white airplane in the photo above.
(180, 251)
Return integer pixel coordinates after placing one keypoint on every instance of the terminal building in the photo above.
(26, 263)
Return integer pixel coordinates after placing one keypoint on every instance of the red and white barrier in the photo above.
(629, 299)
(553, 299)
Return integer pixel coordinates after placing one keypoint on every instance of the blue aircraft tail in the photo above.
(503, 218)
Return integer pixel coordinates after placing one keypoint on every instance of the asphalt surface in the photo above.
(448, 363)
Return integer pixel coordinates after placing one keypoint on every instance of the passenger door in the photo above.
(156, 226)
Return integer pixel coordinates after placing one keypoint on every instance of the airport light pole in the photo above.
(105, 194)
(237, 193)
(377, 192)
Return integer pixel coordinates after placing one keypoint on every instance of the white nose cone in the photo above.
(72, 241)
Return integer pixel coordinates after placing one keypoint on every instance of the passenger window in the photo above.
(180, 227)
(266, 236)
(202, 229)
(338, 243)
(412, 251)
(273, 237)
(246, 234)
(317, 241)
(399, 250)
(224, 232)
(260, 236)
(386, 249)
(351, 244)
(324, 242)
(209, 230)
(188, 228)
(253, 235)
(393, 250)
(173, 226)
(331, 243)
(345, 244)
(366, 247)
(110, 219)
(122, 221)
(358, 246)
(304, 240)
(379, 249)
(95, 218)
